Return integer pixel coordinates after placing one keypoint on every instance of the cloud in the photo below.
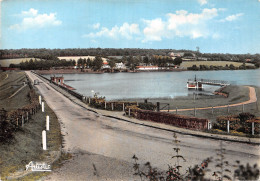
(126, 31)
(96, 26)
(33, 20)
(232, 17)
(179, 24)
(203, 2)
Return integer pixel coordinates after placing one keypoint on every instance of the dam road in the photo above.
(103, 147)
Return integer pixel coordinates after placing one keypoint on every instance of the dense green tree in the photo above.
(177, 61)
(97, 63)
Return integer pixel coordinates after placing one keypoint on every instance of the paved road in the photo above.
(108, 144)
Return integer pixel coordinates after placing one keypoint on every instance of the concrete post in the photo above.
(27, 116)
(105, 105)
(112, 106)
(40, 100)
(228, 126)
(129, 113)
(123, 107)
(253, 128)
(42, 106)
(158, 106)
(44, 140)
(47, 123)
(22, 121)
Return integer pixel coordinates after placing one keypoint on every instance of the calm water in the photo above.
(154, 84)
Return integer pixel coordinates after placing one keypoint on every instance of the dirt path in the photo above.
(252, 99)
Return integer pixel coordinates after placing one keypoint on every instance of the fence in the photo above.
(171, 119)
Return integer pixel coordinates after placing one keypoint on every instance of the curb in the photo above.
(247, 140)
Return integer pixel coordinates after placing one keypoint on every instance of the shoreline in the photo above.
(88, 71)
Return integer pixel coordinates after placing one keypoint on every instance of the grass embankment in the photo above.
(26, 145)
(186, 64)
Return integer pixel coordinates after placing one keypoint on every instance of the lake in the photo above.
(154, 84)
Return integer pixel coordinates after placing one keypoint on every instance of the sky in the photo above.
(215, 26)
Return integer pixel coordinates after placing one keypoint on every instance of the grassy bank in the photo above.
(186, 64)
(26, 144)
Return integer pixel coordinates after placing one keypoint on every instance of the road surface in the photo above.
(103, 147)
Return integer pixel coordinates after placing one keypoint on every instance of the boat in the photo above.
(194, 84)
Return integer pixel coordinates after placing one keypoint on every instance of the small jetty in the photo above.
(60, 81)
(197, 83)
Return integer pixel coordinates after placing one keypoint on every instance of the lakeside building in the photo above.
(120, 65)
(147, 67)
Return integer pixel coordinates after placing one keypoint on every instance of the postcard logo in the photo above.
(38, 167)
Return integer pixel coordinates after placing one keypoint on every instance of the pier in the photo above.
(197, 83)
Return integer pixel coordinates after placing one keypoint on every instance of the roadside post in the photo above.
(42, 106)
(40, 100)
(228, 126)
(47, 123)
(44, 140)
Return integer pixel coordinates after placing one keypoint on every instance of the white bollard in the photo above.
(40, 100)
(209, 125)
(42, 106)
(228, 126)
(47, 123)
(44, 140)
